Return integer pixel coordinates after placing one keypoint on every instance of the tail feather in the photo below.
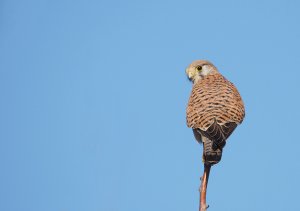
(212, 154)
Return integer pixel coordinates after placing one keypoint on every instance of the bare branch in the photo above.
(203, 187)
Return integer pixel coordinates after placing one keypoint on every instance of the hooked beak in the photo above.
(189, 75)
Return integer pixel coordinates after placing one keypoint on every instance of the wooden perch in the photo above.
(203, 187)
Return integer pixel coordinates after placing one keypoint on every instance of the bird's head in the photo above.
(199, 69)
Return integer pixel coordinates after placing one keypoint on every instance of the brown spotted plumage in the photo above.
(214, 110)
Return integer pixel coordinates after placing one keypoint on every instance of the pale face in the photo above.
(199, 69)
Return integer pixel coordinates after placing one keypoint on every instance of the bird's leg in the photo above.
(204, 180)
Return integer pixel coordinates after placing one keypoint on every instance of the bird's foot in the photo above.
(203, 159)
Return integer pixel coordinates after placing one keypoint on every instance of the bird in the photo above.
(214, 110)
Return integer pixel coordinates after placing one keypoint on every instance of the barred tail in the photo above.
(211, 153)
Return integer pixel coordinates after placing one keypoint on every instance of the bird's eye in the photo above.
(199, 68)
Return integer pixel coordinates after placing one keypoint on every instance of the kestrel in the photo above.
(214, 110)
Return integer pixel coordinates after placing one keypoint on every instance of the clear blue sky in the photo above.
(93, 97)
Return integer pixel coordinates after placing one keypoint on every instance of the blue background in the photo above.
(93, 97)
